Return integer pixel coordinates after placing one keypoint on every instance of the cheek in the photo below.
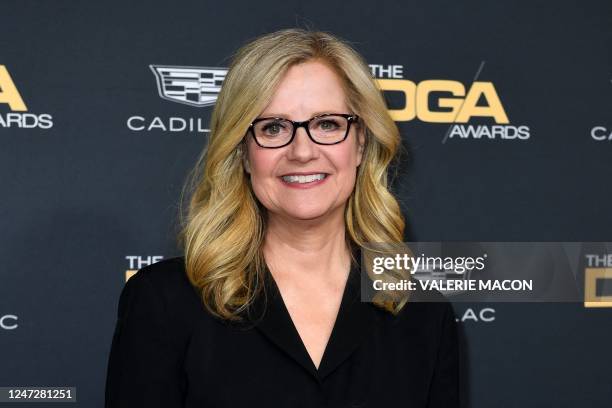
(347, 160)
(261, 162)
(345, 163)
(262, 174)
(260, 166)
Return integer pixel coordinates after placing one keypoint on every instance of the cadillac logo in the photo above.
(195, 86)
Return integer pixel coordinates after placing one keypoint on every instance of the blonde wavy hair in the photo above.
(222, 227)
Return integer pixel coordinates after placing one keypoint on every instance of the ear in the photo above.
(243, 152)
(245, 163)
(361, 141)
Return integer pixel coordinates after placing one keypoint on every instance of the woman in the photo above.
(264, 308)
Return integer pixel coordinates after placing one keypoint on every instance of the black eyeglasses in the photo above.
(324, 129)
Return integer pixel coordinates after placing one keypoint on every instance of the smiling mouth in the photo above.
(304, 179)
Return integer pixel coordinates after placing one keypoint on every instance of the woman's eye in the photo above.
(273, 128)
(328, 125)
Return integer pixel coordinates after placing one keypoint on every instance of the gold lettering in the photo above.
(9, 93)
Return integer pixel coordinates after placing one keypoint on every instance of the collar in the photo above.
(353, 321)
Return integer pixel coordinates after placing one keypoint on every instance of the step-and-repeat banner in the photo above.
(505, 109)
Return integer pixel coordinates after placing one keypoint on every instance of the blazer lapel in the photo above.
(354, 319)
(275, 323)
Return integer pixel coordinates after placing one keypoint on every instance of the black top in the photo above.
(168, 351)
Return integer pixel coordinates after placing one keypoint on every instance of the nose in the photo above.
(302, 147)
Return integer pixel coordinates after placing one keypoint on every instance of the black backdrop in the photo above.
(87, 199)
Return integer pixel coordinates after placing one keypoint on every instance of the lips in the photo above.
(303, 180)
(304, 173)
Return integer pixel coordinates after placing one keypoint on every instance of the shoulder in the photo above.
(166, 284)
(167, 275)
(154, 327)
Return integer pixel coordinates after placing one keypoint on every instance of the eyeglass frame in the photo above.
(351, 118)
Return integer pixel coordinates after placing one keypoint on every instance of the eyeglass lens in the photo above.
(327, 129)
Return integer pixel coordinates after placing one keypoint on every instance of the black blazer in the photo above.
(168, 351)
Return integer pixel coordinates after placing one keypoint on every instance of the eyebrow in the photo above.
(282, 115)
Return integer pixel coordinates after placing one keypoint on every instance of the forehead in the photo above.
(305, 90)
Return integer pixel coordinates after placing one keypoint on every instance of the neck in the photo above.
(307, 248)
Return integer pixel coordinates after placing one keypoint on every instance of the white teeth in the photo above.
(304, 179)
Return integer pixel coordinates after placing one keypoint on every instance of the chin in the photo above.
(306, 217)
(307, 214)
